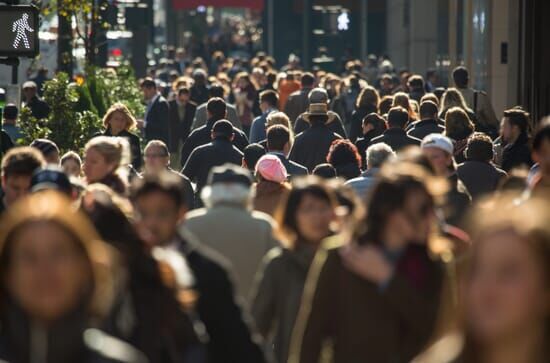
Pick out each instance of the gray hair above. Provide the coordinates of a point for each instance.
(227, 193)
(318, 95)
(377, 154)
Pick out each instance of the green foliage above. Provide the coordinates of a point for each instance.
(31, 128)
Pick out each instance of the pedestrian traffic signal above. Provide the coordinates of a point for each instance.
(19, 31)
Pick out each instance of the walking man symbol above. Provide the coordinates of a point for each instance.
(21, 26)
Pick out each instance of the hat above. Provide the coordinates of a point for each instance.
(318, 95)
(51, 178)
(438, 141)
(29, 84)
(271, 168)
(229, 173)
(316, 109)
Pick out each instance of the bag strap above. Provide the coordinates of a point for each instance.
(475, 101)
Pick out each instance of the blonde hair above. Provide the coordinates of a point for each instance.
(402, 99)
(453, 98)
(120, 107)
(280, 118)
(115, 150)
(368, 96)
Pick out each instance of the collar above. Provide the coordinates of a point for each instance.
(155, 98)
(369, 173)
(395, 131)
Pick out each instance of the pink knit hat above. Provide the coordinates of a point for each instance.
(271, 168)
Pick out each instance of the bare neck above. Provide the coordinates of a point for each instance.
(522, 347)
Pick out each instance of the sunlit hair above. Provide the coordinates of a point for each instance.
(280, 118)
(457, 124)
(453, 98)
(430, 97)
(120, 107)
(53, 207)
(70, 155)
(402, 99)
(368, 97)
(227, 193)
(115, 150)
(342, 152)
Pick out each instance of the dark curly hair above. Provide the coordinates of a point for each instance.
(343, 152)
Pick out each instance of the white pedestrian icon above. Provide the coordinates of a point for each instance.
(21, 26)
(343, 21)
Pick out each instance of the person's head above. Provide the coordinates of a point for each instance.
(428, 110)
(270, 168)
(71, 164)
(156, 156)
(318, 95)
(375, 123)
(514, 124)
(453, 98)
(199, 77)
(307, 214)
(184, 94)
(368, 98)
(324, 171)
(160, 205)
(280, 118)
(49, 150)
(216, 108)
(541, 146)
(9, 114)
(342, 152)
(29, 90)
(251, 154)
(430, 97)
(457, 124)
(18, 166)
(416, 83)
(461, 77)
(400, 207)
(378, 154)
(269, 100)
(223, 130)
(148, 88)
(278, 139)
(228, 184)
(317, 114)
(398, 117)
(507, 282)
(385, 104)
(307, 80)
(386, 82)
(431, 76)
(479, 148)
(439, 151)
(103, 156)
(216, 90)
(52, 262)
(119, 118)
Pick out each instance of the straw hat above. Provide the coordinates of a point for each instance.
(316, 109)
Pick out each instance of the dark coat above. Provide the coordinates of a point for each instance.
(292, 168)
(421, 129)
(6, 143)
(205, 157)
(158, 121)
(231, 340)
(356, 123)
(39, 108)
(517, 154)
(334, 123)
(135, 146)
(203, 135)
(187, 188)
(367, 322)
(458, 200)
(297, 103)
(362, 144)
(479, 177)
(396, 138)
(311, 146)
(180, 128)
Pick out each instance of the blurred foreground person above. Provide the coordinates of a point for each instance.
(58, 282)
(375, 298)
(160, 206)
(271, 187)
(506, 289)
(230, 227)
(305, 222)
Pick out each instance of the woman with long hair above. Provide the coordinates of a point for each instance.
(119, 122)
(305, 221)
(402, 99)
(376, 298)
(503, 314)
(58, 284)
(367, 102)
(459, 128)
(106, 162)
(453, 98)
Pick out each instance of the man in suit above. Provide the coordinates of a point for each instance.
(156, 122)
(269, 100)
(278, 144)
(395, 136)
(182, 112)
(428, 123)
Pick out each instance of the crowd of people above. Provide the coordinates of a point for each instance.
(256, 214)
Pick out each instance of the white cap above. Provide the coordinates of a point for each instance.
(438, 141)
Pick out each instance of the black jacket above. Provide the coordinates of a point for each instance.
(39, 108)
(5, 143)
(157, 125)
(421, 129)
(292, 168)
(363, 143)
(356, 123)
(516, 154)
(187, 188)
(230, 337)
(334, 123)
(396, 138)
(458, 201)
(297, 103)
(135, 146)
(311, 146)
(204, 158)
(479, 177)
(203, 135)
(180, 128)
